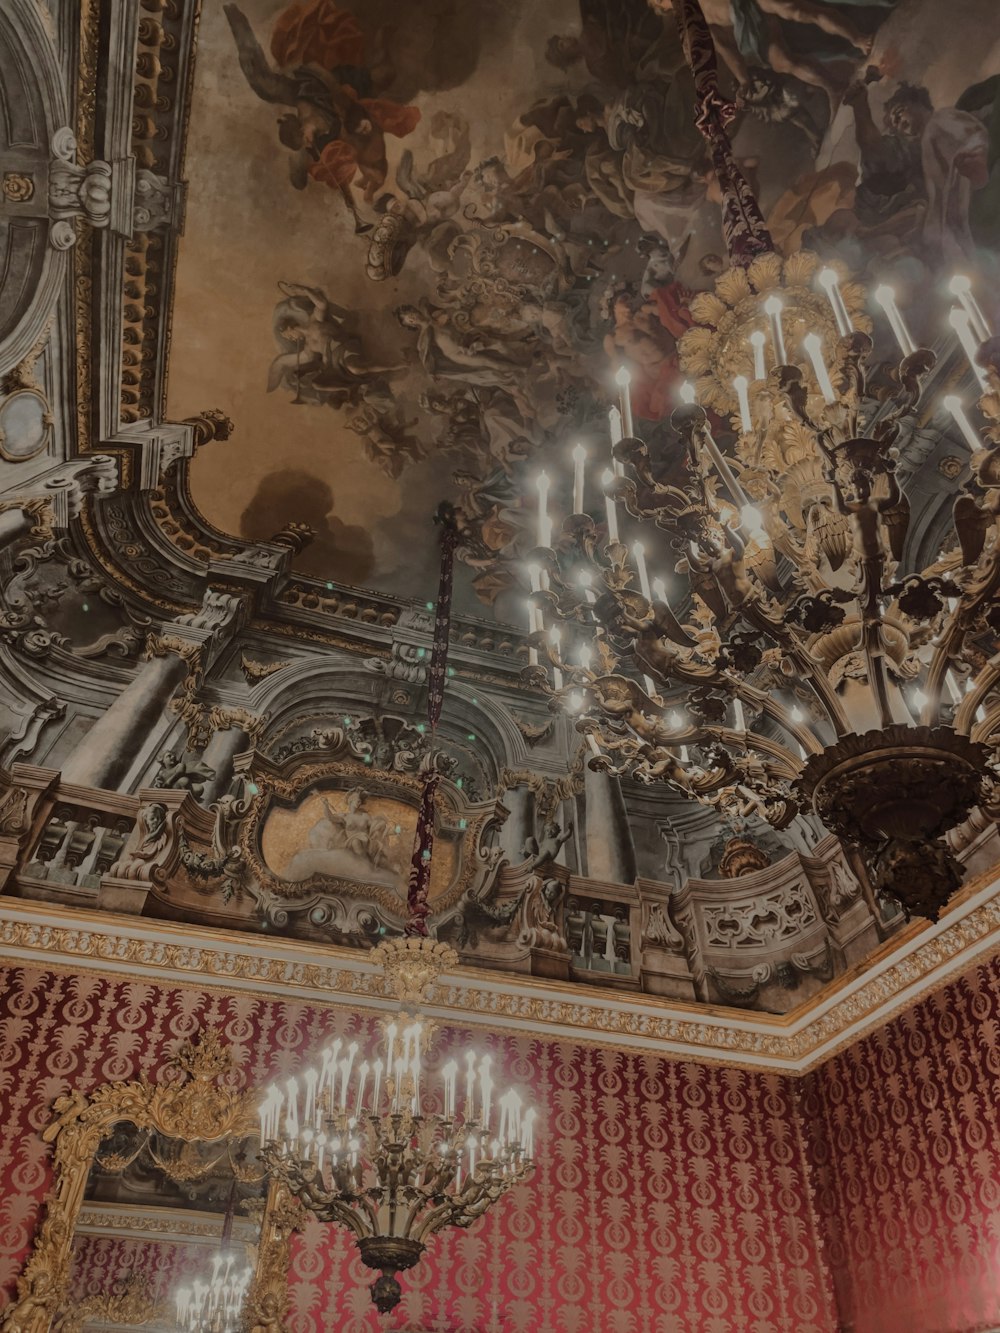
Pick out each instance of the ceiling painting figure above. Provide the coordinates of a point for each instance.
(527, 206)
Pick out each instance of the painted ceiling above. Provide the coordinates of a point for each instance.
(420, 240)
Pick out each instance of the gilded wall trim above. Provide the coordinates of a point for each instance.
(922, 959)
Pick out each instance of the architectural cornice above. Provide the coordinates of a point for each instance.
(917, 961)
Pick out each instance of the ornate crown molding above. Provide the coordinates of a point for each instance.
(921, 959)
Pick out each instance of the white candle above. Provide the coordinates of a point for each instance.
(592, 742)
(960, 322)
(544, 527)
(532, 652)
(639, 551)
(579, 458)
(687, 393)
(555, 638)
(741, 386)
(612, 510)
(528, 1131)
(814, 347)
(585, 582)
(486, 1089)
(886, 298)
(831, 284)
(650, 686)
(583, 656)
(962, 288)
(362, 1084)
(954, 406)
(615, 425)
(376, 1086)
(623, 379)
(659, 590)
(449, 1073)
(773, 308)
(470, 1084)
(741, 722)
(757, 341)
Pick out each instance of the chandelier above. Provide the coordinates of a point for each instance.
(766, 646)
(375, 1140)
(372, 1141)
(216, 1305)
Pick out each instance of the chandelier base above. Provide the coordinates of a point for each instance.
(894, 793)
(388, 1255)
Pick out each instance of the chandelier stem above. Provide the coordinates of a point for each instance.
(417, 898)
(745, 231)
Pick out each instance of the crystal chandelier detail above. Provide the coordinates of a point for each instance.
(216, 1305)
(799, 661)
(375, 1142)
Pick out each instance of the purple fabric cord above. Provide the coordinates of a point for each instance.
(743, 226)
(423, 845)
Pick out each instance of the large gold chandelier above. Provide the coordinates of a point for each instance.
(370, 1141)
(797, 662)
(215, 1304)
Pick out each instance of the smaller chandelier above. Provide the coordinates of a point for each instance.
(358, 1142)
(215, 1306)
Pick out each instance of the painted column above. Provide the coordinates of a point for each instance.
(610, 850)
(520, 823)
(234, 735)
(107, 752)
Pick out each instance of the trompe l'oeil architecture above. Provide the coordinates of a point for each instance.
(580, 910)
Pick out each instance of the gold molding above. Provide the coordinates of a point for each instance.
(921, 959)
(189, 1105)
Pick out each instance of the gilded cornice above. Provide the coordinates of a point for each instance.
(921, 959)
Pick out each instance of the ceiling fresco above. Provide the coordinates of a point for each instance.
(419, 243)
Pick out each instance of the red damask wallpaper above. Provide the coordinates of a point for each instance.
(904, 1134)
(99, 1262)
(670, 1197)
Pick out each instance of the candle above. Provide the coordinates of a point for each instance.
(813, 345)
(615, 424)
(595, 749)
(886, 298)
(470, 1084)
(960, 322)
(532, 652)
(579, 458)
(583, 656)
(741, 722)
(954, 406)
(362, 1084)
(555, 638)
(639, 551)
(612, 511)
(659, 590)
(831, 284)
(962, 288)
(650, 686)
(544, 527)
(623, 379)
(687, 393)
(773, 308)
(449, 1073)
(486, 1089)
(741, 386)
(585, 582)
(376, 1086)
(757, 341)
(528, 1131)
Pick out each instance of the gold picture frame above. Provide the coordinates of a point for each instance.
(190, 1105)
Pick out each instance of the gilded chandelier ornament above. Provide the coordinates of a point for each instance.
(800, 662)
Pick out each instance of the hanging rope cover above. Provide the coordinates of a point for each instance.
(423, 845)
(743, 224)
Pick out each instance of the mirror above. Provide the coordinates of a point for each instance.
(162, 1216)
(157, 1189)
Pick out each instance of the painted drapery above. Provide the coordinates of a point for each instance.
(669, 1197)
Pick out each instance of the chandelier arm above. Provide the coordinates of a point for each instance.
(777, 712)
(985, 681)
(990, 724)
(808, 667)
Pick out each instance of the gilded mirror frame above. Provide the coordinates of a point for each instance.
(191, 1106)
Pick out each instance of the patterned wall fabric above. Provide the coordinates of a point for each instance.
(904, 1134)
(671, 1198)
(99, 1262)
